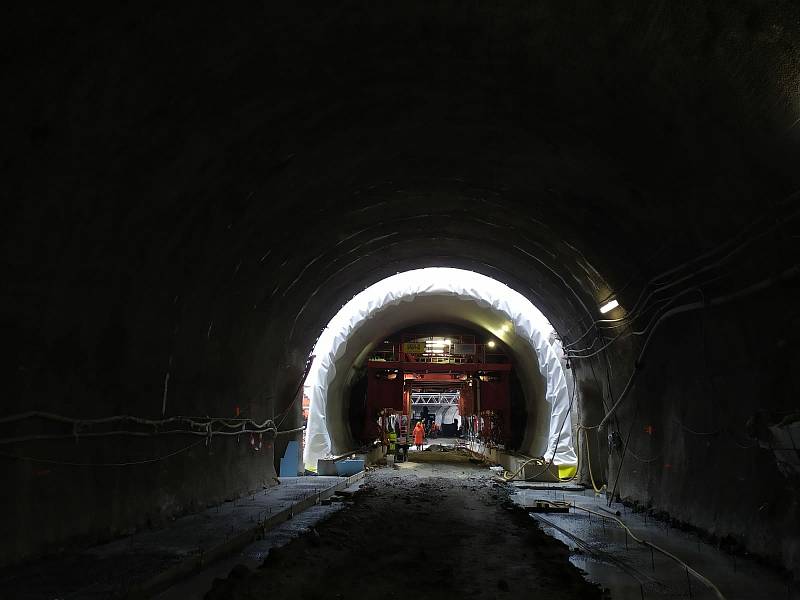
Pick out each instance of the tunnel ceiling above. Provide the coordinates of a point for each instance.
(185, 180)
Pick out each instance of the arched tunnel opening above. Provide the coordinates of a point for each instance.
(191, 198)
(379, 337)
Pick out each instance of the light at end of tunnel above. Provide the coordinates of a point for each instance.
(491, 344)
(609, 306)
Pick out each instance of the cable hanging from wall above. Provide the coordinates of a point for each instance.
(137, 426)
(667, 280)
(666, 312)
(204, 427)
(693, 276)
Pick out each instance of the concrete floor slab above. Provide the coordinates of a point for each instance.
(252, 556)
(612, 559)
(153, 560)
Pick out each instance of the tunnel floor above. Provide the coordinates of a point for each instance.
(424, 530)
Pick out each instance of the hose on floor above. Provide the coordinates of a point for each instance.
(704, 580)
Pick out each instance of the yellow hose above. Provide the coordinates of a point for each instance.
(707, 582)
(508, 476)
(589, 458)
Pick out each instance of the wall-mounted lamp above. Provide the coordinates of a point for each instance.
(490, 343)
(609, 306)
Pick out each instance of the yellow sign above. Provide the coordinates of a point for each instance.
(414, 347)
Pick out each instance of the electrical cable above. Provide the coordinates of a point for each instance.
(229, 422)
(540, 460)
(288, 431)
(650, 323)
(597, 490)
(677, 269)
(72, 436)
(624, 451)
(600, 388)
(579, 353)
(692, 431)
(722, 260)
(206, 435)
(655, 323)
(123, 464)
(704, 580)
(717, 301)
(199, 427)
(777, 224)
(668, 301)
(306, 371)
(643, 460)
(631, 318)
(616, 323)
(625, 321)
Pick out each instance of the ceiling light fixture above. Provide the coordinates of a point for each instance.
(609, 306)
(490, 343)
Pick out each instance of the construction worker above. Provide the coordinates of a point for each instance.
(392, 440)
(419, 435)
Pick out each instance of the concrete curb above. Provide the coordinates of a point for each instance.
(196, 562)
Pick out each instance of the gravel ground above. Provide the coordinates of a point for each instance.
(434, 527)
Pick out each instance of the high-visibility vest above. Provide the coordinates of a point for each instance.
(392, 441)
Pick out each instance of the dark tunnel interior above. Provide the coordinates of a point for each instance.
(192, 193)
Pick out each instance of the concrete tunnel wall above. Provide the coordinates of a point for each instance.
(195, 194)
(422, 309)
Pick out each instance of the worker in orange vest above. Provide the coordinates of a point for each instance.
(419, 435)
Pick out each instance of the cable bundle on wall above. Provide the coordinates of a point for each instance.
(664, 306)
(204, 427)
(689, 278)
(686, 273)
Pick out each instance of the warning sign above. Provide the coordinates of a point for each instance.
(414, 348)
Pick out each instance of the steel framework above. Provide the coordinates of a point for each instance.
(435, 398)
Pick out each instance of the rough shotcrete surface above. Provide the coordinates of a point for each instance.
(190, 196)
(423, 530)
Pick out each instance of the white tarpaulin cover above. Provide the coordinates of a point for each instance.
(528, 323)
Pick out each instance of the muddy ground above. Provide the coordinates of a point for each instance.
(420, 530)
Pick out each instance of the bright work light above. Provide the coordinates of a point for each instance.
(608, 306)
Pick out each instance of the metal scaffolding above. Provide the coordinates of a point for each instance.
(435, 398)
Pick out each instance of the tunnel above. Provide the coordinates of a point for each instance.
(418, 297)
(192, 194)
